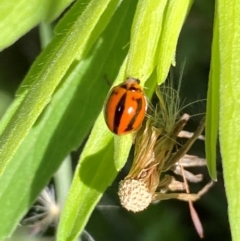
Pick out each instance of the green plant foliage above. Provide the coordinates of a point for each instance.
(174, 17)
(145, 34)
(95, 172)
(59, 130)
(59, 103)
(212, 117)
(22, 15)
(47, 72)
(229, 115)
(223, 107)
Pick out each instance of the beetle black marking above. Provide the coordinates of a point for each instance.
(118, 113)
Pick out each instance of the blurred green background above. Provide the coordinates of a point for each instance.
(167, 220)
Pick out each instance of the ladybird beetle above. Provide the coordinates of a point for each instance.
(125, 107)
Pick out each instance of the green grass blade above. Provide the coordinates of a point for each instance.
(96, 170)
(229, 59)
(18, 17)
(174, 17)
(48, 70)
(122, 148)
(212, 116)
(145, 34)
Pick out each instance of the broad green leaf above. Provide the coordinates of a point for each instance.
(174, 17)
(103, 154)
(48, 70)
(96, 171)
(229, 116)
(122, 146)
(18, 17)
(146, 29)
(212, 116)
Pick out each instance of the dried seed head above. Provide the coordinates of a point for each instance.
(134, 195)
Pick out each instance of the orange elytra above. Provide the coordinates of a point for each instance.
(125, 107)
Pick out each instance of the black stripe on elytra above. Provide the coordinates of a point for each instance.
(118, 113)
(139, 107)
